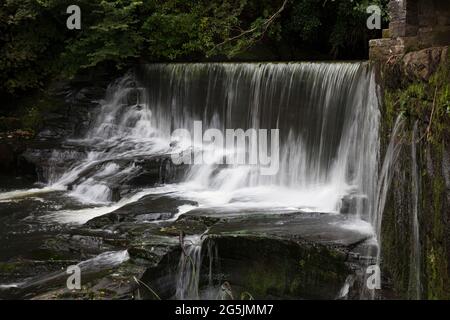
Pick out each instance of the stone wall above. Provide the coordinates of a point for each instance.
(414, 25)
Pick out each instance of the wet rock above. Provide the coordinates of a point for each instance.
(75, 101)
(302, 256)
(422, 64)
(338, 231)
(416, 65)
(150, 249)
(83, 246)
(52, 158)
(133, 97)
(119, 284)
(153, 217)
(163, 206)
(18, 270)
(12, 163)
(160, 254)
(354, 204)
(286, 255)
(153, 170)
(270, 267)
(192, 224)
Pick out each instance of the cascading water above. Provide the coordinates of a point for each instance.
(189, 268)
(327, 116)
(386, 174)
(384, 181)
(328, 120)
(414, 273)
(121, 133)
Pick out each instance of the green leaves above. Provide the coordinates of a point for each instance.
(36, 46)
(27, 43)
(110, 33)
(340, 23)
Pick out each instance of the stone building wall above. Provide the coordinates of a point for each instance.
(414, 25)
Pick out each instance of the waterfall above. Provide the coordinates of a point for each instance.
(326, 120)
(386, 174)
(121, 133)
(414, 273)
(189, 268)
(190, 265)
(327, 115)
(382, 187)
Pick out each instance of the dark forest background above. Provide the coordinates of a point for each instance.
(36, 47)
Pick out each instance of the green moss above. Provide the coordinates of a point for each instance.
(436, 266)
(428, 103)
(423, 101)
(316, 266)
(6, 267)
(32, 119)
(32, 110)
(436, 269)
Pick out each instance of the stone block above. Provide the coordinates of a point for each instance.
(422, 64)
(382, 49)
(397, 28)
(437, 36)
(396, 10)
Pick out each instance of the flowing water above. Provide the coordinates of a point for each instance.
(414, 273)
(188, 282)
(386, 174)
(384, 182)
(103, 261)
(327, 115)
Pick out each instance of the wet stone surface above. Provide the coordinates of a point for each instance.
(290, 246)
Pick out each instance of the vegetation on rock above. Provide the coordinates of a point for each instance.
(426, 101)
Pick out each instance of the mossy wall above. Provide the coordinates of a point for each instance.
(426, 101)
(271, 268)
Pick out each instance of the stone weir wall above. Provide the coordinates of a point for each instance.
(414, 25)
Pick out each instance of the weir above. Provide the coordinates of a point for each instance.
(327, 115)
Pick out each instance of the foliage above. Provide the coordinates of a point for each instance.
(339, 23)
(426, 101)
(29, 41)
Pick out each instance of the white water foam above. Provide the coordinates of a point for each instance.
(327, 115)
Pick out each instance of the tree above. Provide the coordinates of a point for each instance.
(36, 46)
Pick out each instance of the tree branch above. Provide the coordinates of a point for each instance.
(265, 26)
